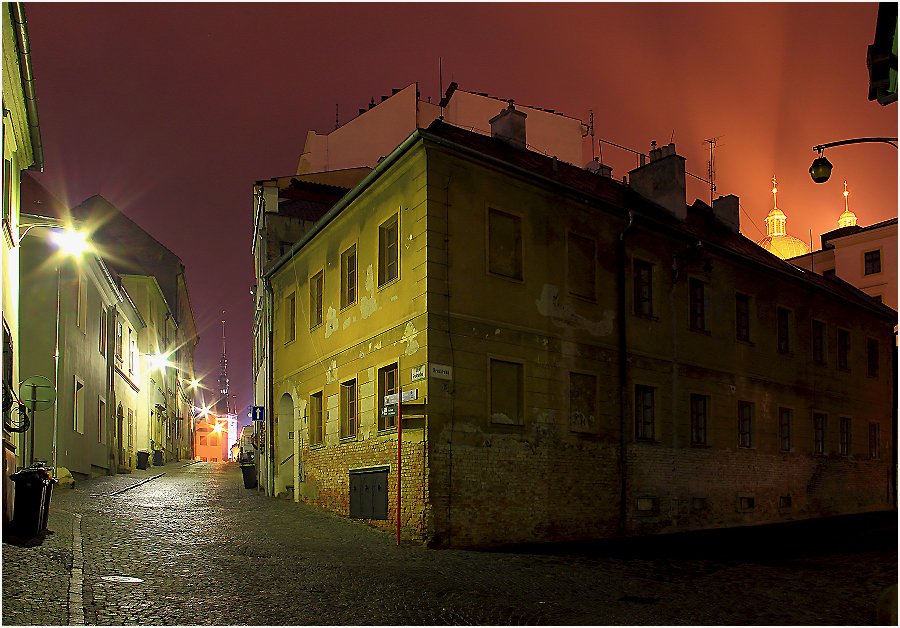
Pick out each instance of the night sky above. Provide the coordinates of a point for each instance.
(173, 111)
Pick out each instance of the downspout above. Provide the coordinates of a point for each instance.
(623, 374)
(17, 12)
(270, 443)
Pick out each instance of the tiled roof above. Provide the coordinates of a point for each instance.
(305, 200)
(699, 225)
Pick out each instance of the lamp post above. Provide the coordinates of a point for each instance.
(820, 170)
(70, 243)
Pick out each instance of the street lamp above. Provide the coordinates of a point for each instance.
(820, 170)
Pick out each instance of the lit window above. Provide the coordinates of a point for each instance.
(388, 251)
(582, 266)
(504, 244)
(644, 412)
(697, 298)
(348, 277)
(643, 288)
(742, 317)
(316, 290)
(699, 419)
(872, 260)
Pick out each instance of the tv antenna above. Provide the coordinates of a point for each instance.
(711, 167)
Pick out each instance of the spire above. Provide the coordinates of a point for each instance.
(776, 218)
(222, 402)
(848, 218)
(775, 191)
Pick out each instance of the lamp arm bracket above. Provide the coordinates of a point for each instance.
(860, 140)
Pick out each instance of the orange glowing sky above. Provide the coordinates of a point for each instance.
(173, 111)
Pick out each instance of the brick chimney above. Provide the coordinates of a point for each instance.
(727, 210)
(662, 180)
(509, 126)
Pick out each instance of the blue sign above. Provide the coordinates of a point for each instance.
(258, 413)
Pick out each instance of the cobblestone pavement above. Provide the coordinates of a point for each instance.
(210, 552)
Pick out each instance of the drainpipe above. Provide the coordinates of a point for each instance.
(269, 424)
(20, 30)
(623, 374)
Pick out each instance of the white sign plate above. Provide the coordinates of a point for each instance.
(440, 371)
(419, 372)
(408, 395)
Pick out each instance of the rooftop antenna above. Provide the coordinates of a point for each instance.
(591, 132)
(711, 169)
(441, 82)
(336, 124)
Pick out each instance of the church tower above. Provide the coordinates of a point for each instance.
(848, 218)
(777, 240)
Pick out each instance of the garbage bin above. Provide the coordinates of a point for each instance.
(32, 504)
(157, 458)
(249, 472)
(143, 459)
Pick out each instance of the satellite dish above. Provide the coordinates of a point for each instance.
(37, 393)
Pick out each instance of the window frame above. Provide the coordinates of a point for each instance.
(844, 349)
(640, 420)
(521, 377)
(290, 317)
(593, 268)
(819, 342)
(349, 276)
(317, 299)
(639, 302)
(879, 259)
(742, 297)
(78, 395)
(317, 418)
(874, 440)
(700, 411)
(697, 317)
(784, 328)
(820, 432)
(386, 424)
(873, 358)
(785, 440)
(349, 409)
(519, 253)
(750, 424)
(384, 250)
(101, 420)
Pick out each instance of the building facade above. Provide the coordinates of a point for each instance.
(575, 357)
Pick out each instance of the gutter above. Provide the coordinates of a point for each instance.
(623, 375)
(20, 28)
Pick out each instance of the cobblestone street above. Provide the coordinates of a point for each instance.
(209, 552)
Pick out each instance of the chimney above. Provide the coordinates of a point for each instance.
(597, 168)
(727, 210)
(509, 126)
(270, 196)
(662, 180)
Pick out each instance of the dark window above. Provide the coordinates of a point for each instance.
(348, 409)
(316, 420)
(387, 385)
(874, 441)
(745, 424)
(290, 317)
(643, 288)
(818, 342)
(316, 290)
(388, 251)
(582, 266)
(504, 244)
(747, 503)
(506, 392)
(118, 340)
(697, 304)
(819, 432)
(699, 420)
(845, 435)
(872, 357)
(785, 501)
(582, 402)
(784, 330)
(644, 412)
(785, 429)
(843, 349)
(646, 505)
(102, 331)
(742, 317)
(872, 262)
(348, 277)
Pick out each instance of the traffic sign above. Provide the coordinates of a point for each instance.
(258, 413)
(37, 393)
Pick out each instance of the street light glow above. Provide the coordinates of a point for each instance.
(72, 242)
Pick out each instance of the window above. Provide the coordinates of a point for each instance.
(388, 251)
(872, 262)
(316, 423)
(213, 440)
(643, 288)
(290, 317)
(874, 438)
(81, 304)
(131, 351)
(843, 349)
(697, 298)
(203, 440)
(316, 290)
(348, 409)
(102, 331)
(872, 357)
(699, 420)
(507, 384)
(746, 503)
(646, 505)
(101, 420)
(504, 244)
(742, 317)
(348, 277)
(582, 403)
(846, 423)
(785, 501)
(582, 267)
(785, 429)
(699, 503)
(130, 428)
(818, 342)
(783, 317)
(387, 385)
(78, 407)
(818, 433)
(644, 412)
(119, 340)
(745, 424)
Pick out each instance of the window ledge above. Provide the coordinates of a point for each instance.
(648, 317)
(389, 283)
(506, 277)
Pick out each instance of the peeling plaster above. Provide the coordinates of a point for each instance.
(331, 375)
(409, 337)
(348, 321)
(394, 298)
(371, 373)
(367, 304)
(331, 322)
(565, 316)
